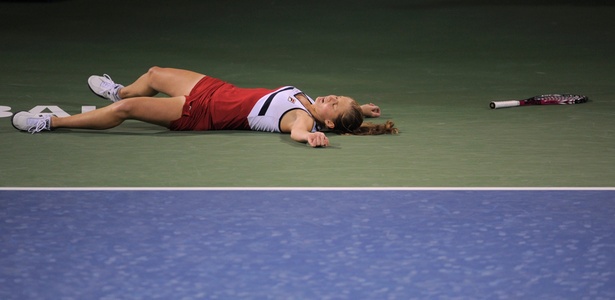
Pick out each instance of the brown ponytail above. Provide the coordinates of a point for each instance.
(369, 128)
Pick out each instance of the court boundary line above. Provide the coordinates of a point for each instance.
(307, 188)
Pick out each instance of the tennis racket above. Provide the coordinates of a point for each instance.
(541, 100)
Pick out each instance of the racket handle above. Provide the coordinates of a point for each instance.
(503, 104)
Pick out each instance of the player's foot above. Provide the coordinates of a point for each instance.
(32, 123)
(104, 87)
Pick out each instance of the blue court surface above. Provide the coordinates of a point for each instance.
(307, 244)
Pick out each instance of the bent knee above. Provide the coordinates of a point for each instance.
(158, 76)
(155, 71)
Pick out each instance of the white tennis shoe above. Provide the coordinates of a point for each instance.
(30, 122)
(104, 87)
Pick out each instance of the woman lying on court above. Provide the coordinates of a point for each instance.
(199, 102)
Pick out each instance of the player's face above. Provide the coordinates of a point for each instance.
(331, 107)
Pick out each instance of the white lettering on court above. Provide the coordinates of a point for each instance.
(5, 111)
(56, 110)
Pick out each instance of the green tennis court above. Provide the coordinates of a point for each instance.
(432, 66)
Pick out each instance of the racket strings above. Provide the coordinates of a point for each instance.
(562, 98)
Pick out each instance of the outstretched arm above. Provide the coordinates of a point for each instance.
(370, 110)
(300, 132)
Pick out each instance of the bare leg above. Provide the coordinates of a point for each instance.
(138, 102)
(160, 111)
(173, 82)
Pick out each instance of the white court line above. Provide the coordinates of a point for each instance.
(307, 188)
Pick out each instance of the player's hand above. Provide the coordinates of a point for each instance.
(370, 110)
(318, 139)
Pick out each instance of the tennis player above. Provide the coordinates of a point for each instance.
(200, 102)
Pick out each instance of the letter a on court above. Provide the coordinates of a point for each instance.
(52, 108)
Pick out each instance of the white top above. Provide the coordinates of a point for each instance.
(267, 114)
